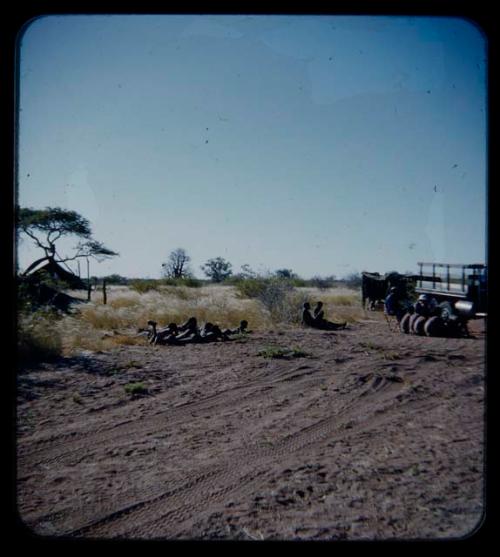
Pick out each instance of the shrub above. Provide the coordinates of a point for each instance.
(190, 282)
(38, 339)
(322, 282)
(282, 353)
(136, 389)
(277, 298)
(251, 287)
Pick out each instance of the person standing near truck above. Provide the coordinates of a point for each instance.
(395, 304)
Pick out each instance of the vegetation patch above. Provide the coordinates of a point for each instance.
(77, 399)
(277, 352)
(136, 389)
(38, 339)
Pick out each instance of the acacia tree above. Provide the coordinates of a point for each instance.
(176, 265)
(46, 226)
(217, 269)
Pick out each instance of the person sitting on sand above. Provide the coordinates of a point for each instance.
(307, 318)
(319, 322)
(319, 318)
(319, 314)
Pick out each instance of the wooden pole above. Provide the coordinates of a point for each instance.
(104, 295)
(89, 285)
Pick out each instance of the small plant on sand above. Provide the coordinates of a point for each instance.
(283, 353)
(77, 399)
(136, 389)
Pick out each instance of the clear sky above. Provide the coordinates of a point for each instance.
(322, 144)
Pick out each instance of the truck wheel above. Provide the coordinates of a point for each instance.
(445, 310)
(433, 326)
(413, 318)
(419, 324)
(404, 325)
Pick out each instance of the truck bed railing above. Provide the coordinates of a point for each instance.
(448, 280)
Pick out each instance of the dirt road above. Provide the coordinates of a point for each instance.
(358, 434)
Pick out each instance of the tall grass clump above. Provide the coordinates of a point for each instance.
(277, 295)
(38, 337)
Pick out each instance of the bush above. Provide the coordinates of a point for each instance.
(277, 295)
(322, 282)
(136, 389)
(190, 282)
(38, 339)
(251, 287)
(277, 298)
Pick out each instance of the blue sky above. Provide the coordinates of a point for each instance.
(323, 144)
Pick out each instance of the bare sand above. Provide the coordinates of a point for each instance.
(361, 434)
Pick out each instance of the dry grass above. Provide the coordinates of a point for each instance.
(95, 326)
(37, 340)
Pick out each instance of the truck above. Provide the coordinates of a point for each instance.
(452, 294)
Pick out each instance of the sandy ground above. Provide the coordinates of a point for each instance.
(365, 434)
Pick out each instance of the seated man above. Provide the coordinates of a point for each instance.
(319, 322)
(307, 318)
(322, 323)
(318, 311)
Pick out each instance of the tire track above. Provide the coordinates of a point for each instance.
(168, 509)
(71, 444)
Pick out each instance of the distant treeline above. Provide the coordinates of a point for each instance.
(245, 281)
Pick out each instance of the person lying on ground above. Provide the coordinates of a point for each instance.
(208, 333)
(190, 325)
(211, 332)
(242, 329)
(163, 334)
(188, 331)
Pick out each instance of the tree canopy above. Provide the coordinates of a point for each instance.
(217, 269)
(46, 226)
(176, 265)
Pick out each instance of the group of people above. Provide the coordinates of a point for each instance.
(317, 318)
(398, 305)
(190, 332)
